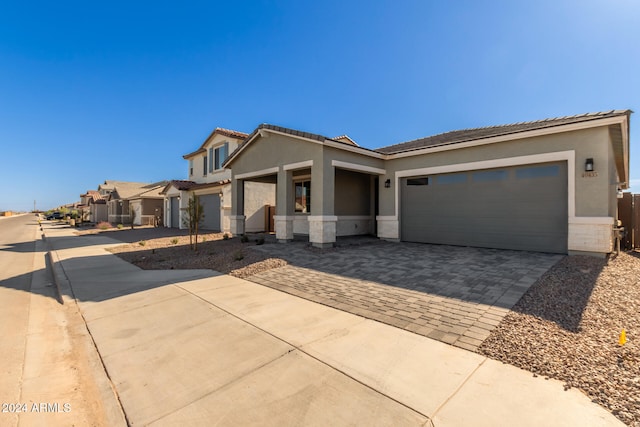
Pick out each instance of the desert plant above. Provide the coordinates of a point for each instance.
(204, 239)
(195, 214)
(238, 256)
(225, 236)
(142, 242)
(174, 241)
(104, 225)
(244, 238)
(260, 241)
(120, 226)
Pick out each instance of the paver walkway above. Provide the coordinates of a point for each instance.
(452, 294)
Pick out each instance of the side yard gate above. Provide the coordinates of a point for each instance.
(629, 215)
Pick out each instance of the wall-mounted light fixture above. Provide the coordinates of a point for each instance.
(588, 165)
(387, 183)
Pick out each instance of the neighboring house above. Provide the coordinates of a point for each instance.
(94, 206)
(142, 199)
(212, 184)
(548, 185)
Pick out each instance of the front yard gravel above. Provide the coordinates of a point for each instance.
(567, 326)
(230, 256)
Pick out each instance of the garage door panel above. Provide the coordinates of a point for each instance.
(211, 206)
(509, 208)
(175, 212)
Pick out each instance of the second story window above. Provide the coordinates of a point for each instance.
(221, 154)
(190, 167)
(204, 166)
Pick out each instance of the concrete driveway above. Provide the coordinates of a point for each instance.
(456, 295)
(197, 348)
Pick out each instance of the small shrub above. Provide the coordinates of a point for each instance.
(142, 242)
(153, 251)
(174, 241)
(104, 225)
(238, 256)
(225, 236)
(120, 226)
(204, 239)
(260, 241)
(244, 238)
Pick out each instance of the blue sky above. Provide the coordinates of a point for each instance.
(121, 90)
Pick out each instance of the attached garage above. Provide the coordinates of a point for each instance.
(211, 206)
(521, 207)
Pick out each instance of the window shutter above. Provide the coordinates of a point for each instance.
(211, 159)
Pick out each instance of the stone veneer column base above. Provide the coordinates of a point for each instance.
(388, 228)
(284, 227)
(322, 230)
(590, 235)
(237, 224)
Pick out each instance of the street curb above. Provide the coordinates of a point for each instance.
(60, 279)
(110, 401)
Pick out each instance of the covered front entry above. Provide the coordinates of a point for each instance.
(522, 207)
(211, 207)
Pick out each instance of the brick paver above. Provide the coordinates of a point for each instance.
(452, 294)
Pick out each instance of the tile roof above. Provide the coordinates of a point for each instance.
(191, 185)
(230, 133)
(132, 190)
(345, 138)
(94, 195)
(180, 185)
(464, 135)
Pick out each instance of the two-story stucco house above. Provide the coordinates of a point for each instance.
(549, 185)
(211, 182)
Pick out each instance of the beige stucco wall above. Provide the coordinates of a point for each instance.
(257, 195)
(352, 193)
(217, 175)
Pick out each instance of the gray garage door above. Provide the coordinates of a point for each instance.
(175, 212)
(522, 208)
(211, 205)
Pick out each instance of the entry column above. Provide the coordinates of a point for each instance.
(283, 220)
(322, 221)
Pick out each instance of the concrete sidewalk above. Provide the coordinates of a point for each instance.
(197, 348)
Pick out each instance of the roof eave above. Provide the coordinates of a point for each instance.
(193, 154)
(606, 121)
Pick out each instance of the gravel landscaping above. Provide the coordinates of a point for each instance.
(567, 327)
(230, 256)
